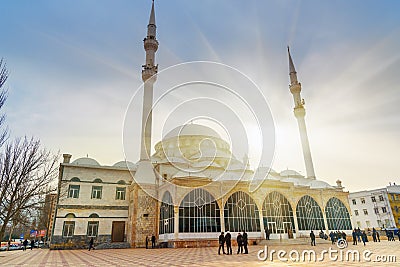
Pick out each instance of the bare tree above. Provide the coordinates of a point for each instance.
(3, 97)
(26, 173)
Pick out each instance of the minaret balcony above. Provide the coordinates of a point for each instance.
(150, 44)
(148, 73)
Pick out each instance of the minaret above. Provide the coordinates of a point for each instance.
(149, 77)
(300, 113)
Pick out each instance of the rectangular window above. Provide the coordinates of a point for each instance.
(356, 212)
(384, 209)
(387, 223)
(379, 223)
(362, 200)
(368, 223)
(96, 191)
(376, 210)
(68, 229)
(93, 228)
(73, 191)
(392, 197)
(120, 193)
(396, 197)
(380, 198)
(365, 211)
(358, 224)
(396, 209)
(373, 199)
(398, 220)
(354, 202)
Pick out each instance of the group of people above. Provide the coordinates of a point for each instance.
(359, 236)
(336, 235)
(153, 241)
(390, 235)
(26, 242)
(241, 239)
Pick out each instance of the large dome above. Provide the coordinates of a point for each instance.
(192, 129)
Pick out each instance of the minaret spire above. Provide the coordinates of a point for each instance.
(300, 113)
(149, 76)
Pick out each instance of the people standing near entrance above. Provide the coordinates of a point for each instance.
(147, 241)
(354, 235)
(245, 243)
(312, 235)
(221, 241)
(32, 244)
(228, 243)
(267, 233)
(239, 241)
(153, 241)
(91, 242)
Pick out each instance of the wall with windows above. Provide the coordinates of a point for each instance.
(370, 209)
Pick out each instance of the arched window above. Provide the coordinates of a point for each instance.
(166, 215)
(199, 213)
(70, 215)
(309, 214)
(75, 179)
(337, 215)
(277, 213)
(94, 215)
(241, 213)
(97, 180)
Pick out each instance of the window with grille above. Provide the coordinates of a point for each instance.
(309, 214)
(166, 224)
(337, 215)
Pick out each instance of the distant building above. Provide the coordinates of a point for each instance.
(371, 208)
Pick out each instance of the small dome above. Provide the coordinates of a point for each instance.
(192, 129)
(319, 184)
(125, 164)
(85, 161)
(290, 173)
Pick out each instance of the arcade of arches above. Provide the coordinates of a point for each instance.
(199, 212)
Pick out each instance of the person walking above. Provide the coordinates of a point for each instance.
(147, 241)
(239, 240)
(364, 237)
(312, 236)
(358, 234)
(153, 241)
(245, 242)
(221, 241)
(25, 243)
(32, 244)
(374, 234)
(354, 235)
(91, 242)
(228, 243)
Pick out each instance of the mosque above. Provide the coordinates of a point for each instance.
(186, 197)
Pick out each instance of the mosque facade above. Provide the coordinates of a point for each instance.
(198, 189)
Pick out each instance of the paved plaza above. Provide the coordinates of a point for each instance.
(191, 256)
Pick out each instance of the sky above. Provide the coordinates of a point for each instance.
(75, 65)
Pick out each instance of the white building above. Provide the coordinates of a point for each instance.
(371, 208)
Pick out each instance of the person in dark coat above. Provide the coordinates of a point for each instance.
(364, 237)
(332, 236)
(228, 243)
(32, 244)
(153, 241)
(239, 240)
(91, 242)
(267, 233)
(245, 243)
(374, 235)
(354, 235)
(312, 236)
(25, 243)
(147, 241)
(221, 241)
